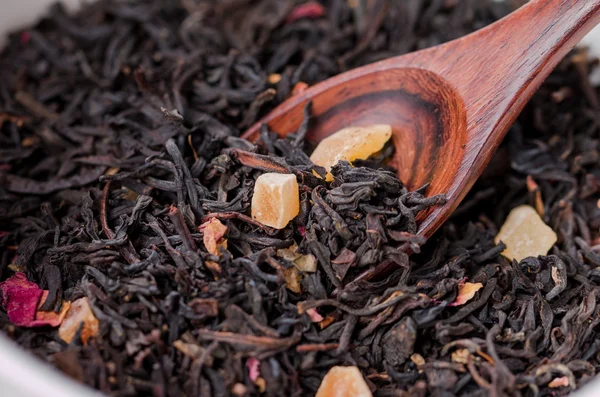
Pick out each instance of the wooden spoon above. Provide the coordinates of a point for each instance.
(451, 105)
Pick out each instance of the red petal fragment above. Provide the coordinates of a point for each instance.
(466, 292)
(314, 316)
(20, 299)
(213, 231)
(253, 366)
(311, 9)
(559, 382)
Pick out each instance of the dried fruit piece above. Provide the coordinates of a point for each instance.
(466, 292)
(343, 382)
(461, 356)
(525, 234)
(559, 382)
(306, 263)
(213, 231)
(276, 199)
(79, 312)
(292, 279)
(274, 78)
(352, 143)
(418, 360)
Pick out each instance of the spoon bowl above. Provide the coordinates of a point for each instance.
(449, 106)
(427, 116)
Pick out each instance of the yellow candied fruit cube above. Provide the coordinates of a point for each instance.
(343, 382)
(525, 234)
(352, 143)
(276, 199)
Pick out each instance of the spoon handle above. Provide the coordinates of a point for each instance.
(497, 69)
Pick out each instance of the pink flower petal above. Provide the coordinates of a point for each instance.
(314, 316)
(311, 9)
(253, 366)
(466, 292)
(559, 382)
(20, 299)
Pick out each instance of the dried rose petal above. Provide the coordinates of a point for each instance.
(314, 316)
(466, 292)
(20, 299)
(80, 312)
(461, 356)
(311, 9)
(253, 366)
(213, 231)
(559, 382)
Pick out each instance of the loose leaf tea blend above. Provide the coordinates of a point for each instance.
(126, 193)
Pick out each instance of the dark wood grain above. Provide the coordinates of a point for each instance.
(450, 106)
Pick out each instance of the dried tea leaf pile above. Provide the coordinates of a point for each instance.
(125, 192)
